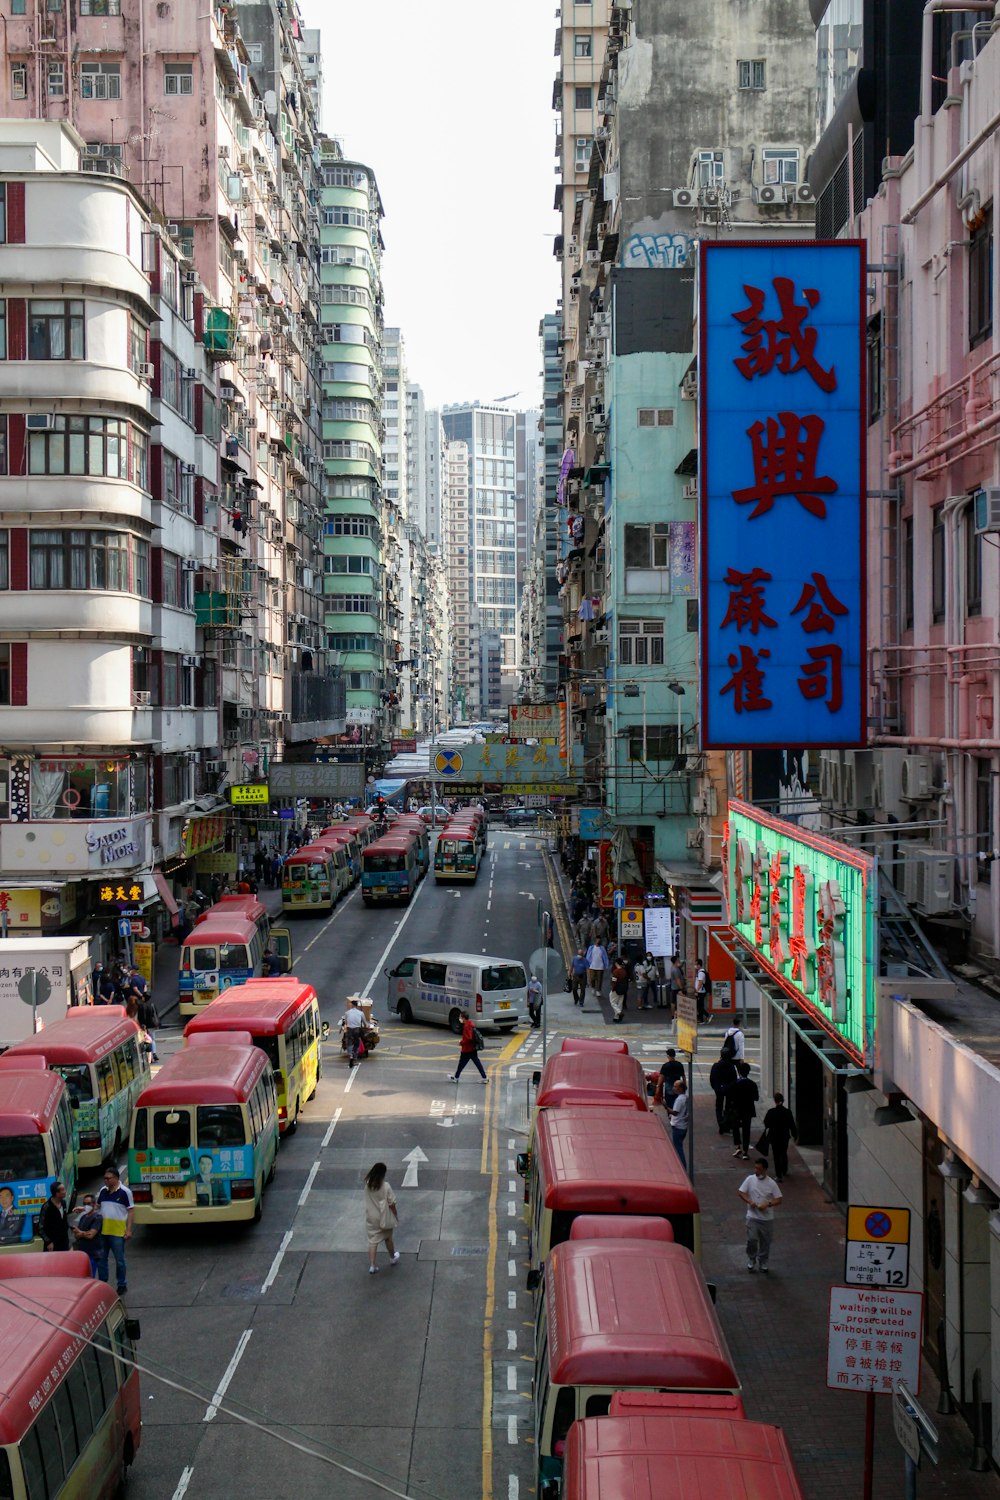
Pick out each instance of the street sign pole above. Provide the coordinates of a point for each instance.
(34, 1000)
(545, 922)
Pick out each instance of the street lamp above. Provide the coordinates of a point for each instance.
(678, 689)
(633, 690)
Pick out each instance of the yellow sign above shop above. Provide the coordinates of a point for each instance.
(257, 793)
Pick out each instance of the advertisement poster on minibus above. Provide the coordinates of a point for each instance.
(19, 1202)
(202, 1174)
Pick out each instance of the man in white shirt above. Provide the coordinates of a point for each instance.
(597, 962)
(679, 1110)
(739, 1043)
(701, 992)
(761, 1195)
(353, 1024)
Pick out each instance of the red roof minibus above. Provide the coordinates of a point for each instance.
(605, 1161)
(205, 1134)
(70, 1420)
(220, 951)
(37, 1148)
(592, 1044)
(282, 1017)
(621, 1227)
(592, 1078)
(390, 868)
(95, 1050)
(633, 1457)
(621, 1315)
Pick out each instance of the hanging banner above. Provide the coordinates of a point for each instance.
(782, 482)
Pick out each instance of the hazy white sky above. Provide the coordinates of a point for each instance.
(449, 101)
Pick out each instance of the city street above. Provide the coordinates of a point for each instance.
(282, 1321)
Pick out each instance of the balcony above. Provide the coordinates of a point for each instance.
(319, 706)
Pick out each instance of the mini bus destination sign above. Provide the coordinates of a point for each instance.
(806, 905)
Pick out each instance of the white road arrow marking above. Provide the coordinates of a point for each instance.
(413, 1160)
(446, 1123)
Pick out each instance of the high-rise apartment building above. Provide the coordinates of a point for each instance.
(464, 616)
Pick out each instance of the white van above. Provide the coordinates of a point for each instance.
(439, 986)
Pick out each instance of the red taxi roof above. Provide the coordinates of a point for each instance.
(34, 1351)
(261, 1006)
(209, 1073)
(221, 929)
(634, 1458)
(307, 852)
(621, 1227)
(615, 1161)
(592, 1044)
(28, 1100)
(633, 1313)
(234, 901)
(593, 1078)
(85, 1033)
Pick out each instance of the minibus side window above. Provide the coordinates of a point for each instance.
(220, 1125)
(105, 1080)
(598, 1406)
(565, 1414)
(140, 1134)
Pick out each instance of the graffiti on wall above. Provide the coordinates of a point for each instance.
(663, 251)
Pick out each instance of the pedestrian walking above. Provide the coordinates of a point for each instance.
(149, 1020)
(779, 1128)
(670, 1071)
(741, 1108)
(722, 1074)
(535, 998)
(381, 1216)
(88, 1233)
(679, 1110)
(702, 990)
(597, 963)
(675, 984)
(734, 1043)
(469, 1048)
(354, 1026)
(647, 979)
(620, 979)
(52, 1219)
(578, 976)
(276, 864)
(116, 1206)
(761, 1195)
(601, 930)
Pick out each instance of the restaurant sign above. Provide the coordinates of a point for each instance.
(807, 906)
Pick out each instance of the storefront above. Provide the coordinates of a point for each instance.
(701, 913)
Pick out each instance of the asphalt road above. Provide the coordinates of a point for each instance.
(418, 1377)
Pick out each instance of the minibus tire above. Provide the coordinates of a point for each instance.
(113, 1153)
(404, 1013)
(258, 1211)
(455, 1022)
(293, 1127)
(274, 1167)
(128, 1458)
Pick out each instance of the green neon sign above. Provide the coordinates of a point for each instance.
(806, 906)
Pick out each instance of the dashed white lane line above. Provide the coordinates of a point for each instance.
(272, 1274)
(512, 1431)
(512, 1185)
(512, 1268)
(512, 1301)
(331, 1127)
(513, 1487)
(512, 1377)
(512, 1236)
(511, 1209)
(230, 1371)
(352, 1074)
(309, 1182)
(185, 1480)
(511, 1339)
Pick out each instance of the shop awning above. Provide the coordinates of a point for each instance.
(161, 888)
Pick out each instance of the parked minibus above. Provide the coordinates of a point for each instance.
(440, 986)
(599, 1078)
(205, 1134)
(70, 1413)
(223, 950)
(95, 1050)
(592, 1044)
(362, 828)
(37, 1148)
(621, 1227)
(249, 907)
(456, 854)
(689, 1452)
(389, 870)
(310, 881)
(347, 855)
(591, 1160)
(282, 1017)
(470, 817)
(413, 823)
(621, 1315)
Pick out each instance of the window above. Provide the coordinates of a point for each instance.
(647, 545)
(751, 74)
(4, 559)
(352, 604)
(640, 643)
(984, 815)
(710, 168)
(18, 7)
(583, 45)
(178, 78)
(100, 80)
(55, 330)
(56, 79)
(88, 560)
(173, 581)
(781, 166)
(19, 80)
(138, 336)
(5, 673)
(583, 98)
(973, 564)
(659, 741)
(906, 568)
(100, 7)
(874, 367)
(255, 51)
(349, 565)
(172, 1128)
(581, 161)
(981, 280)
(937, 568)
(170, 380)
(350, 526)
(655, 416)
(79, 788)
(81, 445)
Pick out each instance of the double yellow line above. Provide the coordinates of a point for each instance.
(490, 1163)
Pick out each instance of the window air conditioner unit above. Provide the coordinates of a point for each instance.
(140, 700)
(224, 153)
(215, 765)
(830, 777)
(173, 230)
(928, 876)
(190, 565)
(145, 371)
(694, 838)
(684, 197)
(765, 194)
(189, 468)
(245, 713)
(37, 421)
(986, 510)
(190, 661)
(804, 193)
(917, 785)
(689, 386)
(707, 805)
(189, 373)
(691, 490)
(593, 256)
(189, 278)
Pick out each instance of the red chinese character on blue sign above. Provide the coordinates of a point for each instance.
(782, 342)
(785, 453)
(746, 600)
(747, 681)
(822, 676)
(818, 618)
